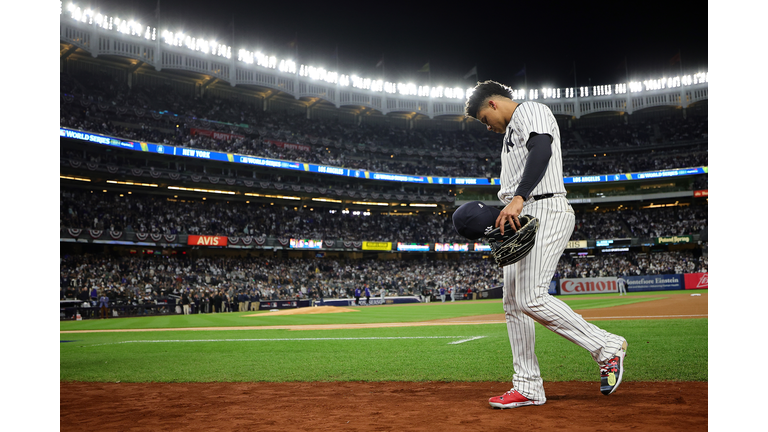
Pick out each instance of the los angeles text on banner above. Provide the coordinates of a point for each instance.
(199, 240)
(382, 246)
(696, 281)
(588, 286)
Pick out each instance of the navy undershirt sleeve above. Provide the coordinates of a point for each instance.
(539, 152)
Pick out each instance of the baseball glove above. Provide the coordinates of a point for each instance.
(513, 245)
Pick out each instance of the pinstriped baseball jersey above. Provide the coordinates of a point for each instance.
(528, 118)
(526, 283)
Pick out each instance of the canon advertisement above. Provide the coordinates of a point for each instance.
(588, 286)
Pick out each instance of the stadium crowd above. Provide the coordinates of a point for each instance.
(136, 280)
(641, 223)
(643, 133)
(152, 280)
(666, 221)
(155, 214)
(693, 156)
(81, 209)
(632, 264)
(101, 104)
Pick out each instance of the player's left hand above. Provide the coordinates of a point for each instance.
(510, 213)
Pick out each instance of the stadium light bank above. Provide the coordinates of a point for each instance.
(134, 28)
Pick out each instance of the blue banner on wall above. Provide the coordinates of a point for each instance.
(654, 283)
(308, 167)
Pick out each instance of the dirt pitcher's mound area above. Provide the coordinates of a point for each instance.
(305, 311)
(377, 406)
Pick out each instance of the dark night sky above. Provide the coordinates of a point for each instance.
(500, 40)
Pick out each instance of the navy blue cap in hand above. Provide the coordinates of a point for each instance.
(473, 218)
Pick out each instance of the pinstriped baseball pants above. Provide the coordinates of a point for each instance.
(526, 299)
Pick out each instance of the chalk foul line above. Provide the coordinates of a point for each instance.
(465, 339)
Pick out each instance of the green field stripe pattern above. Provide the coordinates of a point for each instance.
(659, 350)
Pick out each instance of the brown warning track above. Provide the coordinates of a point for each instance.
(378, 406)
(397, 406)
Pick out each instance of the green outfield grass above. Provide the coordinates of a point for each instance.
(659, 350)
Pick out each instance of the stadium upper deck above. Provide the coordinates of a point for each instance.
(141, 53)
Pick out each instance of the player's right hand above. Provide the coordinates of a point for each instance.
(509, 215)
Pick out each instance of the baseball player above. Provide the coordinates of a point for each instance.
(532, 184)
(622, 284)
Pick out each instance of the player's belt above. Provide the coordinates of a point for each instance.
(543, 196)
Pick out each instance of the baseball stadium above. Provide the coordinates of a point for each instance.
(251, 239)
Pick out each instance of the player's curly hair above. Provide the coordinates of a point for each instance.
(481, 93)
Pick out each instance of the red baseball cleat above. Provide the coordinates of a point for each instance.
(512, 399)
